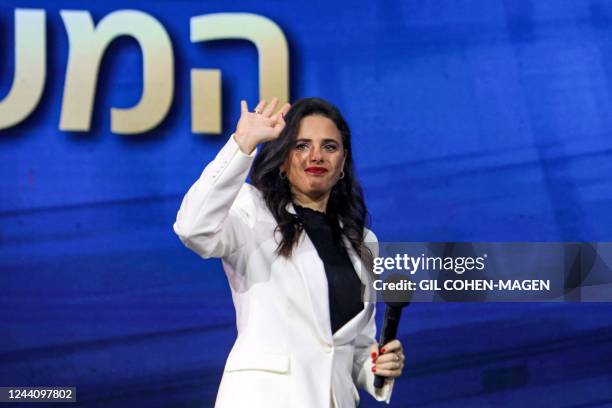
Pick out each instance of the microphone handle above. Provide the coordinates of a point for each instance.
(388, 333)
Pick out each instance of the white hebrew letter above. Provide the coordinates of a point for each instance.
(273, 63)
(87, 47)
(30, 67)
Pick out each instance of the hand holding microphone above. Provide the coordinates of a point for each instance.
(389, 362)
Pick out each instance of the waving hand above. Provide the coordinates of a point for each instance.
(261, 125)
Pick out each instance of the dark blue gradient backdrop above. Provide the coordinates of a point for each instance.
(473, 120)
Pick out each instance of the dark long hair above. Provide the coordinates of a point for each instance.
(346, 201)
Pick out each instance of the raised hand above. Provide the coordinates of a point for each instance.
(259, 126)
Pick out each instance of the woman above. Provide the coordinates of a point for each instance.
(291, 245)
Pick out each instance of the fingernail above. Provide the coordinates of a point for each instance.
(373, 355)
(382, 350)
(373, 369)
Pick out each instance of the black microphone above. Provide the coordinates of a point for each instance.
(389, 331)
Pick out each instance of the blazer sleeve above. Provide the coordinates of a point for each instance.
(362, 373)
(206, 221)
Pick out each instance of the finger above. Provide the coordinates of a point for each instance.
(270, 108)
(391, 357)
(391, 346)
(384, 372)
(275, 120)
(278, 127)
(391, 365)
(388, 357)
(279, 120)
(260, 106)
(284, 110)
(374, 352)
(243, 106)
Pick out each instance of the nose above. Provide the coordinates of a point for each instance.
(316, 154)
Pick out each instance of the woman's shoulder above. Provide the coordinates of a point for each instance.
(370, 240)
(369, 235)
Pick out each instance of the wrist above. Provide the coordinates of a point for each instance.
(244, 143)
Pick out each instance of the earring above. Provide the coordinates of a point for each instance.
(282, 175)
(341, 174)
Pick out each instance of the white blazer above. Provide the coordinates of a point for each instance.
(285, 355)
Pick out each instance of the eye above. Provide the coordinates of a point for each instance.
(301, 146)
(330, 147)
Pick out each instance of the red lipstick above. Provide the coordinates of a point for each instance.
(316, 170)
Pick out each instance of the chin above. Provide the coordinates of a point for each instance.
(317, 191)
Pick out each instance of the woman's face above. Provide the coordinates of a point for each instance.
(314, 164)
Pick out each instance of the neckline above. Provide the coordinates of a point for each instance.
(306, 209)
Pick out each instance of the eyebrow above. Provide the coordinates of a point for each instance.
(327, 140)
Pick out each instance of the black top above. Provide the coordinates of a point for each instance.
(344, 286)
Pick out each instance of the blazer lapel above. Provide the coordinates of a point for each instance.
(357, 324)
(361, 270)
(311, 268)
